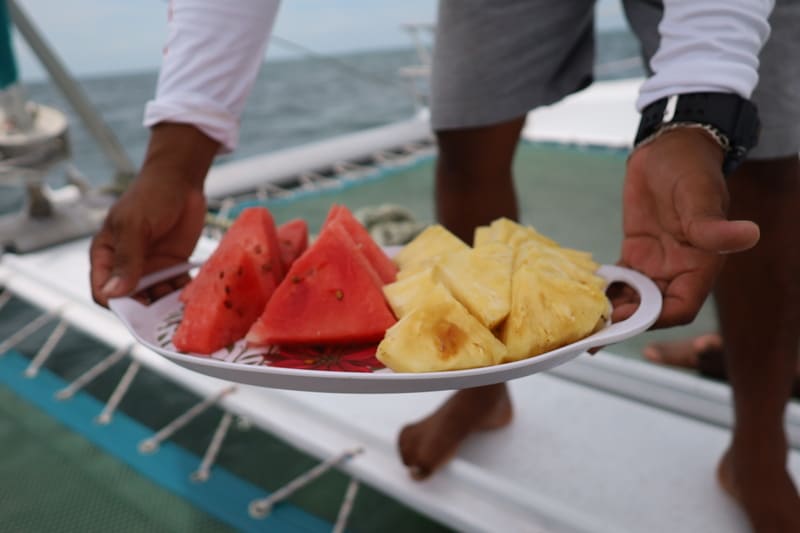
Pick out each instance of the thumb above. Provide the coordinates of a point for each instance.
(128, 261)
(705, 224)
(714, 233)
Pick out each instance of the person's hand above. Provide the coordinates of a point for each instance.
(674, 222)
(157, 221)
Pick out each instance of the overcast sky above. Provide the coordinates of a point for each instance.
(106, 36)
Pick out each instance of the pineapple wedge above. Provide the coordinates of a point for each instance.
(559, 261)
(423, 251)
(548, 311)
(483, 235)
(439, 334)
(480, 278)
(514, 234)
(405, 294)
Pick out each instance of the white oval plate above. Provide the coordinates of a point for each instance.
(153, 326)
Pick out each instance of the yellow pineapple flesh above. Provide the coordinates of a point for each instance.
(422, 252)
(560, 261)
(405, 294)
(439, 334)
(507, 231)
(480, 278)
(483, 235)
(549, 310)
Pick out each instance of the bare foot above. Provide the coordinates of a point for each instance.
(765, 492)
(684, 353)
(430, 443)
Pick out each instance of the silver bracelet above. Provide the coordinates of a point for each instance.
(719, 137)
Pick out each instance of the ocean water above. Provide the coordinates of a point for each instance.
(294, 101)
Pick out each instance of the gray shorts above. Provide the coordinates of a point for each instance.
(495, 60)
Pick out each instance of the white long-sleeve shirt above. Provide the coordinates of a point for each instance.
(215, 48)
(213, 52)
(707, 46)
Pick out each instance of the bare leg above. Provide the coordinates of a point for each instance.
(757, 298)
(474, 186)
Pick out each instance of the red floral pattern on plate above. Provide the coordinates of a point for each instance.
(339, 358)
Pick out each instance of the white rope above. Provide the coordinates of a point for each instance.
(87, 377)
(203, 472)
(347, 506)
(262, 508)
(27, 331)
(151, 444)
(47, 349)
(105, 415)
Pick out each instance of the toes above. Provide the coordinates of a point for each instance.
(415, 452)
(682, 353)
(709, 341)
(407, 445)
(652, 354)
(419, 473)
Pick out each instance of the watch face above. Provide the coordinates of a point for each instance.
(669, 109)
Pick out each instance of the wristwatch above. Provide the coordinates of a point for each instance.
(729, 118)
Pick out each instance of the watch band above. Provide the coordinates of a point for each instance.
(733, 118)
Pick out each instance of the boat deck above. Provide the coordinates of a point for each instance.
(605, 443)
(576, 458)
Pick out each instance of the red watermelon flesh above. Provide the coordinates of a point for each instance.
(253, 230)
(222, 310)
(331, 295)
(384, 266)
(293, 240)
(332, 212)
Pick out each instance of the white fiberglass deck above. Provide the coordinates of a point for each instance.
(576, 458)
(603, 114)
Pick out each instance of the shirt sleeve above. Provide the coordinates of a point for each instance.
(707, 46)
(211, 58)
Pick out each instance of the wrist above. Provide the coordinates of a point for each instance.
(678, 153)
(178, 154)
(689, 135)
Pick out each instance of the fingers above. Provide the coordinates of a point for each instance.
(128, 260)
(117, 255)
(159, 290)
(683, 298)
(624, 301)
(101, 254)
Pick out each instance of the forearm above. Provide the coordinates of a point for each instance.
(708, 46)
(211, 59)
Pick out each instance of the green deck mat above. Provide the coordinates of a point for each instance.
(52, 479)
(56, 480)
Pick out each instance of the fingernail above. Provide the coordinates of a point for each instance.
(112, 286)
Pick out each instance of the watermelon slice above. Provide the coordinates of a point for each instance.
(222, 309)
(253, 230)
(331, 295)
(332, 212)
(384, 266)
(293, 240)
